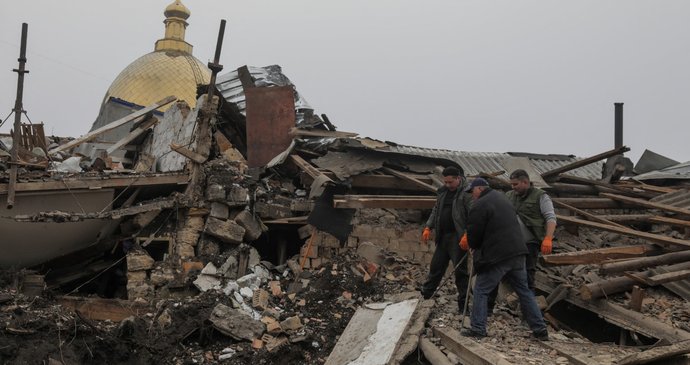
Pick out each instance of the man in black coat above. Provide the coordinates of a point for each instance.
(498, 251)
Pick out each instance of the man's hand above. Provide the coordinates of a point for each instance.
(426, 235)
(546, 245)
(464, 245)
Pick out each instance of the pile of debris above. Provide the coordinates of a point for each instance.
(185, 236)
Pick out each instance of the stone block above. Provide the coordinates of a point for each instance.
(143, 219)
(187, 236)
(301, 205)
(207, 247)
(237, 196)
(371, 252)
(272, 211)
(139, 260)
(312, 253)
(362, 230)
(215, 193)
(185, 251)
(305, 231)
(226, 231)
(219, 210)
(252, 226)
(411, 234)
(136, 276)
(162, 277)
(139, 290)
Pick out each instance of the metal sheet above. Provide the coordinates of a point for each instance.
(650, 161)
(270, 115)
(677, 172)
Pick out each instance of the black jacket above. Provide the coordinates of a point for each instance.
(461, 207)
(493, 230)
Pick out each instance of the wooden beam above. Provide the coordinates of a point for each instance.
(670, 221)
(308, 168)
(584, 162)
(469, 352)
(145, 125)
(432, 353)
(594, 203)
(621, 283)
(98, 183)
(89, 136)
(659, 279)
(320, 133)
(186, 152)
(599, 255)
(384, 201)
(618, 315)
(639, 263)
(589, 216)
(607, 187)
(647, 204)
(410, 179)
(627, 218)
(657, 238)
(100, 309)
(657, 353)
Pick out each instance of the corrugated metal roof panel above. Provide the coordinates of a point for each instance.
(680, 172)
(488, 162)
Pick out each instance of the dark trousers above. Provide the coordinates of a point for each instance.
(534, 247)
(513, 270)
(447, 250)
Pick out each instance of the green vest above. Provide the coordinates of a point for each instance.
(529, 211)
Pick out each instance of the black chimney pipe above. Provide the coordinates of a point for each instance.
(618, 131)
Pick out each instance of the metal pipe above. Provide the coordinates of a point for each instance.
(18, 108)
(215, 66)
(618, 128)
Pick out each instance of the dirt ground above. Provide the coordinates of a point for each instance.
(38, 331)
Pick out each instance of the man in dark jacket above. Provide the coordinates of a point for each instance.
(447, 220)
(498, 251)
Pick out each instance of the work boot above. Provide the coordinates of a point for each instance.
(542, 335)
(467, 332)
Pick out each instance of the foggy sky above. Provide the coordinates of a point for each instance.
(489, 76)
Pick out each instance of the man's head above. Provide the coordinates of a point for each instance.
(477, 186)
(519, 181)
(452, 178)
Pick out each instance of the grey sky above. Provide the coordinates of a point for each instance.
(496, 76)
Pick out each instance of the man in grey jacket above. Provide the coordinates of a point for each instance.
(448, 222)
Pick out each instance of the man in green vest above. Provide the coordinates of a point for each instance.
(536, 216)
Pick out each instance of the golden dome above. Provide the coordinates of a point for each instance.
(169, 70)
(156, 75)
(177, 10)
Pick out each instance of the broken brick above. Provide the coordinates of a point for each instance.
(252, 226)
(139, 260)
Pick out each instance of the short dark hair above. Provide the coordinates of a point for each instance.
(451, 171)
(519, 174)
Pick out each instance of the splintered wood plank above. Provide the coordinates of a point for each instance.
(98, 183)
(661, 239)
(657, 353)
(671, 221)
(647, 203)
(598, 255)
(411, 179)
(89, 136)
(469, 351)
(584, 162)
(589, 216)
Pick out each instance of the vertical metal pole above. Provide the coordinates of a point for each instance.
(215, 66)
(618, 128)
(18, 108)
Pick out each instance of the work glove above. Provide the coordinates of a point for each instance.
(464, 245)
(426, 235)
(546, 246)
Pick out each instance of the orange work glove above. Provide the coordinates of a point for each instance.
(426, 235)
(464, 245)
(546, 246)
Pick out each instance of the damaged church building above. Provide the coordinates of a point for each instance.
(214, 216)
